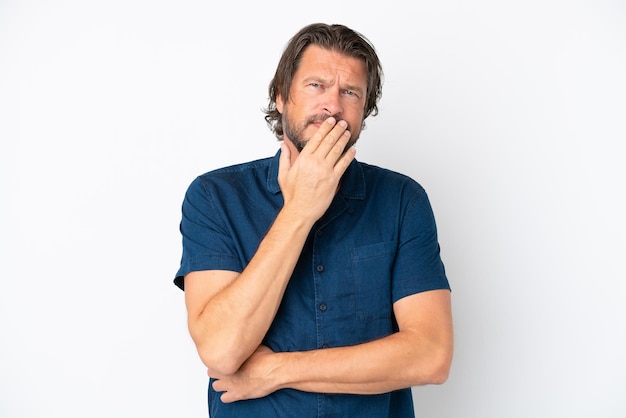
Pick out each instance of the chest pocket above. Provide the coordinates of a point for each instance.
(371, 271)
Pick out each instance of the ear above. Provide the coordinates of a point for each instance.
(279, 103)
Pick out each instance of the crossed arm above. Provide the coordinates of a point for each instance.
(420, 353)
(229, 313)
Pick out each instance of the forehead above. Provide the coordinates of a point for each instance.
(320, 62)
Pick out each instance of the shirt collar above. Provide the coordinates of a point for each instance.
(352, 182)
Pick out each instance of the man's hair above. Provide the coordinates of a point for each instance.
(337, 38)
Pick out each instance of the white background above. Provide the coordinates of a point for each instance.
(512, 115)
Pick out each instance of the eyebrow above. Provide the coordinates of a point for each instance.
(326, 81)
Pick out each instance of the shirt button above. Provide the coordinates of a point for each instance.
(320, 268)
(323, 307)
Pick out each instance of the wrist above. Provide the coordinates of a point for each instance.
(283, 371)
(297, 217)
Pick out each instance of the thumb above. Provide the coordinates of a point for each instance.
(284, 163)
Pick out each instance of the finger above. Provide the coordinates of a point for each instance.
(339, 147)
(318, 137)
(218, 386)
(227, 397)
(344, 162)
(331, 139)
(284, 163)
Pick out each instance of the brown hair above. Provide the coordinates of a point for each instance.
(332, 37)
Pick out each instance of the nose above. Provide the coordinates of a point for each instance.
(332, 102)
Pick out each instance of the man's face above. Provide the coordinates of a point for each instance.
(326, 84)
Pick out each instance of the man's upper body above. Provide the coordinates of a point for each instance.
(375, 246)
(312, 281)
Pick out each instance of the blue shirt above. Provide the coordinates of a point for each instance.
(376, 244)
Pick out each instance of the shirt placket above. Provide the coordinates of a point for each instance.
(322, 268)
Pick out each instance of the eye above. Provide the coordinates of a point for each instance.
(350, 93)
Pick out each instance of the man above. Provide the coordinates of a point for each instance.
(313, 282)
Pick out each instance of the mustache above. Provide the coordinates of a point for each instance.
(321, 118)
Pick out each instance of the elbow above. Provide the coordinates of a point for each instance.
(439, 376)
(439, 362)
(223, 366)
(219, 361)
(431, 370)
(218, 356)
(439, 371)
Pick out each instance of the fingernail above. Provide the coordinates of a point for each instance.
(330, 120)
(343, 123)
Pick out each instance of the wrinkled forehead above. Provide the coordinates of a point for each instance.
(332, 67)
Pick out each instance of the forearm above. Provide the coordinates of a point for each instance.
(233, 323)
(401, 360)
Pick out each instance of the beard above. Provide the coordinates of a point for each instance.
(295, 132)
